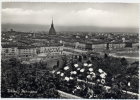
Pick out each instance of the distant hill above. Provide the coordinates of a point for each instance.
(35, 28)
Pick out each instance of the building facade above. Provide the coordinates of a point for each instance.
(26, 53)
(52, 50)
(8, 52)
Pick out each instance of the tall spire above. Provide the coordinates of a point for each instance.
(52, 30)
(52, 20)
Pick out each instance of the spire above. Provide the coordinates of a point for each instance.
(52, 30)
(52, 20)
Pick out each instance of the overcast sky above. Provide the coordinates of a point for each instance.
(72, 14)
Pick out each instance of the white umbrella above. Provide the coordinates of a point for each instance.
(129, 83)
(78, 68)
(71, 78)
(93, 74)
(89, 65)
(82, 70)
(90, 69)
(98, 80)
(100, 70)
(102, 81)
(102, 75)
(58, 72)
(66, 68)
(67, 78)
(75, 65)
(62, 74)
(88, 76)
(73, 72)
(85, 64)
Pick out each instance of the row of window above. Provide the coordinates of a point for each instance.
(10, 54)
(27, 50)
(52, 51)
(25, 56)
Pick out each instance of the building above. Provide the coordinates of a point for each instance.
(98, 47)
(88, 46)
(52, 30)
(5, 42)
(47, 52)
(71, 51)
(52, 50)
(135, 45)
(9, 51)
(128, 44)
(116, 45)
(80, 45)
(25, 53)
(69, 44)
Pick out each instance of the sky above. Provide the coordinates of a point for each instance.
(109, 15)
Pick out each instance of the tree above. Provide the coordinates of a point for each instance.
(14, 62)
(80, 59)
(124, 62)
(57, 63)
(105, 56)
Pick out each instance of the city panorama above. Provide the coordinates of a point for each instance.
(69, 50)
